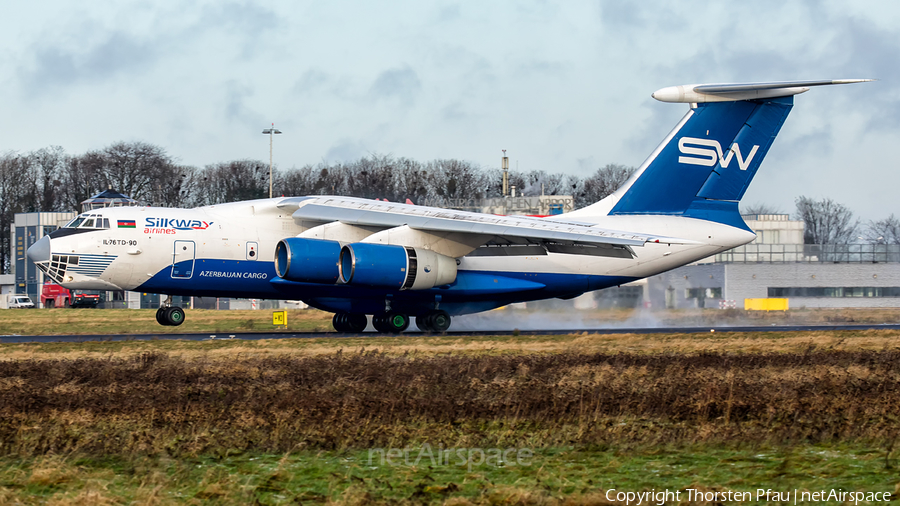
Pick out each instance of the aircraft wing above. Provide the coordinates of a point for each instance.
(363, 212)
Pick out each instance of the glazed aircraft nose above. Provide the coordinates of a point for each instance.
(39, 251)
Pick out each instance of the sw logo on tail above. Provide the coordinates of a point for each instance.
(709, 157)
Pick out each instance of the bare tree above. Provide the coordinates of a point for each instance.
(452, 179)
(297, 182)
(132, 168)
(49, 165)
(886, 231)
(232, 181)
(606, 180)
(826, 221)
(173, 186)
(372, 177)
(534, 183)
(82, 177)
(760, 208)
(16, 196)
(410, 180)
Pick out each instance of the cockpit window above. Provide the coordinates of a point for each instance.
(92, 221)
(74, 223)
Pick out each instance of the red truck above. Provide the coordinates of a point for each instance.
(53, 295)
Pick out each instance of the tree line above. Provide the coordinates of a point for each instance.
(826, 221)
(51, 180)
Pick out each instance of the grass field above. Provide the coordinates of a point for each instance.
(143, 321)
(315, 420)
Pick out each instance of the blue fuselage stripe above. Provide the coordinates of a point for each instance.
(257, 279)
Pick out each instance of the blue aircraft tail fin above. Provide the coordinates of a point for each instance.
(705, 167)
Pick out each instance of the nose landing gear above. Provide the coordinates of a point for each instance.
(169, 315)
(172, 316)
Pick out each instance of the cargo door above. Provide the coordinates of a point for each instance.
(183, 260)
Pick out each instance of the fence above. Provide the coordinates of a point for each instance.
(811, 253)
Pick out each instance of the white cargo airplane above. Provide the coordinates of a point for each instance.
(358, 257)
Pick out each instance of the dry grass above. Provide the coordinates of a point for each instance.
(169, 422)
(159, 404)
(736, 342)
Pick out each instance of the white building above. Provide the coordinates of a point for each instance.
(778, 264)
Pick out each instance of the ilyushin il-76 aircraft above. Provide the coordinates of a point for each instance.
(357, 257)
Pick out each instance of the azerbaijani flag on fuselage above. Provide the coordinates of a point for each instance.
(126, 224)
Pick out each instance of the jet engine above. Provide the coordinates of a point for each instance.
(393, 266)
(308, 260)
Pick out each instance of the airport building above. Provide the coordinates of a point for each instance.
(27, 229)
(777, 264)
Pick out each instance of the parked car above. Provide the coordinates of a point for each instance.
(53, 295)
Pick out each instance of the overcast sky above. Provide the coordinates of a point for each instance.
(563, 86)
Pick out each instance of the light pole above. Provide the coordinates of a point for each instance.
(271, 132)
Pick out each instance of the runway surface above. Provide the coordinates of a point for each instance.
(338, 335)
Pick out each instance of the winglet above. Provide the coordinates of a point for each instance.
(702, 93)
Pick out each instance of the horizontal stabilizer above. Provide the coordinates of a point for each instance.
(702, 93)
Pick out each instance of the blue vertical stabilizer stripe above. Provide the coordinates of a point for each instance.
(719, 211)
(750, 146)
(701, 161)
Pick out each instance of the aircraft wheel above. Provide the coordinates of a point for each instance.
(433, 321)
(159, 316)
(357, 322)
(440, 320)
(423, 323)
(378, 321)
(396, 323)
(390, 323)
(174, 316)
(339, 322)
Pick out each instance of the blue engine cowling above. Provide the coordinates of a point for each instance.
(393, 266)
(308, 260)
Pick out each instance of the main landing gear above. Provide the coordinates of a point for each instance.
(392, 322)
(433, 321)
(349, 322)
(168, 314)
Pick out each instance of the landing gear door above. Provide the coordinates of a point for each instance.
(252, 251)
(183, 260)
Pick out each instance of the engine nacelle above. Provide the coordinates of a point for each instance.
(392, 266)
(308, 260)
